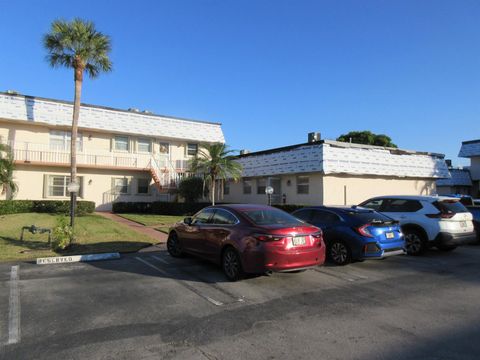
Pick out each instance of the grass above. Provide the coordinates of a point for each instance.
(94, 234)
(158, 222)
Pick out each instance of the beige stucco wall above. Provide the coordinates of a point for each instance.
(334, 189)
(351, 190)
(97, 185)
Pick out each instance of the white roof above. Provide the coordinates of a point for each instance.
(470, 149)
(459, 177)
(332, 157)
(59, 113)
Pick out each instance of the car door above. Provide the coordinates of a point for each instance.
(218, 231)
(194, 235)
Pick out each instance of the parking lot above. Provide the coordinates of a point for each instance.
(150, 306)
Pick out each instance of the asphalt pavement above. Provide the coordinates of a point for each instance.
(151, 306)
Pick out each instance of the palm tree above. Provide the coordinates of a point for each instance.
(7, 184)
(79, 46)
(215, 163)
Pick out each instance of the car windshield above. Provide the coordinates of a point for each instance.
(271, 217)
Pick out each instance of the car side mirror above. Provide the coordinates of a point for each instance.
(188, 220)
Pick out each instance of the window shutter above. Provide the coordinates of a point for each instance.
(45, 186)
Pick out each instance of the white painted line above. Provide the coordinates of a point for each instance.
(183, 283)
(14, 308)
(161, 260)
(77, 258)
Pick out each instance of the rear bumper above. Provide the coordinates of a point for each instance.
(452, 239)
(283, 261)
(380, 251)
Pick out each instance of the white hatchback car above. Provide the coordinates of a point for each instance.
(427, 220)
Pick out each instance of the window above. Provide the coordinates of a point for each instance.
(121, 143)
(261, 186)
(226, 188)
(374, 204)
(303, 184)
(304, 215)
(192, 149)
(61, 140)
(56, 185)
(143, 186)
(324, 217)
(164, 148)
(203, 217)
(120, 185)
(223, 217)
(401, 205)
(247, 186)
(144, 145)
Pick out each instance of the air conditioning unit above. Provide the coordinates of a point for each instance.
(314, 137)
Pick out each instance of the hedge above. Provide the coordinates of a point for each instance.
(158, 207)
(44, 206)
(171, 208)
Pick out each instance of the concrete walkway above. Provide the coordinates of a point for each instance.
(157, 236)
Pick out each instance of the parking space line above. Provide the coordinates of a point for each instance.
(205, 281)
(335, 275)
(181, 282)
(14, 308)
(161, 260)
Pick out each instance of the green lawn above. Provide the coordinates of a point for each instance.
(94, 234)
(160, 222)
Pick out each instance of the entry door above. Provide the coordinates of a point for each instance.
(277, 190)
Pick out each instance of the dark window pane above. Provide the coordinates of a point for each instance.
(324, 217)
(373, 204)
(223, 217)
(447, 206)
(304, 215)
(202, 217)
(402, 205)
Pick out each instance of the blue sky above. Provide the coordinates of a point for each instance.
(272, 71)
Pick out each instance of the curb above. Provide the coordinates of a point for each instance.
(77, 258)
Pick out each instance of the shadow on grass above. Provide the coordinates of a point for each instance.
(30, 245)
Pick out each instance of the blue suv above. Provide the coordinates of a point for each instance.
(355, 233)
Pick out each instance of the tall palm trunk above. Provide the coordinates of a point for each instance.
(78, 78)
(213, 189)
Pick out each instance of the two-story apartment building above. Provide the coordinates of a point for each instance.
(471, 149)
(327, 172)
(123, 155)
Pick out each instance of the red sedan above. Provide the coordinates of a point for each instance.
(248, 238)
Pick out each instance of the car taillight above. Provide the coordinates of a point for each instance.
(267, 237)
(363, 230)
(317, 237)
(440, 215)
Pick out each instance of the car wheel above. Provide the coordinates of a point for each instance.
(415, 242)
(339, 253)
(446, 247)
(232, 267)
(173, 245)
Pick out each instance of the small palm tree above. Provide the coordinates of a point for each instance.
(215, 163)
(79, 46)
(6, 171)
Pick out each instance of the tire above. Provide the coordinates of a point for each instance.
(339, 252)
(174, 247)
(446, 247)
(415, 242)
(231, 264)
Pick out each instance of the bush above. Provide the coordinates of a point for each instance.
(158, 207)
(63, 234)
(44, 206)
(191, 189)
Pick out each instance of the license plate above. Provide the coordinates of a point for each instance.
(463, 224)
(389, 235)
(299, 240)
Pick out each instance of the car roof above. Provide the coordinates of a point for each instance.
(430, 198)
(240, 207)
(340, 209)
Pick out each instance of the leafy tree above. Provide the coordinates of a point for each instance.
(367, 138)
(216, 164)
(191, 189)
(7, 184)
(79, 46)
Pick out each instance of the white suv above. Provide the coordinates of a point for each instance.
(427, 220)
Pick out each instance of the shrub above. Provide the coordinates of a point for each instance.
(63, 234)
(44, 206)
(191, 189)
(158, 207)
